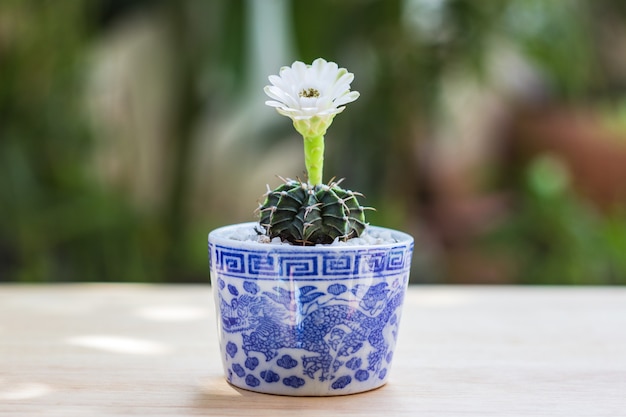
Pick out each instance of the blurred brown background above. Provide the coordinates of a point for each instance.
(493, 131)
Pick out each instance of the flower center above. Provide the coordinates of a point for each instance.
(309, 93)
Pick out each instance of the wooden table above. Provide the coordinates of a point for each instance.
(134, 350)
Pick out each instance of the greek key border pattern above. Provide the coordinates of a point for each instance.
(250, 264)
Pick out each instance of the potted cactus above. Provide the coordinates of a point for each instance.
(309, 297)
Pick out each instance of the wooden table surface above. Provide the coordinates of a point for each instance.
(151, 350)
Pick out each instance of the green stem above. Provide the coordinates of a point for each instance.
(314, 158)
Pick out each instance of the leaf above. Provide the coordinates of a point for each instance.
(310, 297)
(307, 288)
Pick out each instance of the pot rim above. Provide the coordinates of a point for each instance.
(216, 236)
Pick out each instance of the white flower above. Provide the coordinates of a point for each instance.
(311, 95)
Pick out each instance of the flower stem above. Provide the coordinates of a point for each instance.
(314, 158)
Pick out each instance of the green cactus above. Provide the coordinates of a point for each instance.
(307, 214)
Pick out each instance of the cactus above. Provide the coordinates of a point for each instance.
(310, 212)
(307, 214)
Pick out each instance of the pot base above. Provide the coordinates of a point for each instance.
(298, 394)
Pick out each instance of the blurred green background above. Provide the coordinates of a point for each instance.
(493, 131)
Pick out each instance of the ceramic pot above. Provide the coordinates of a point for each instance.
(308, 320)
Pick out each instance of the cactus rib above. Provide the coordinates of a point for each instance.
(307, 214)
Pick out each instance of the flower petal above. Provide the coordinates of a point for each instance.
(299, 69)
(280, 95)
(273, 103)
(303, 92)
(347, 98)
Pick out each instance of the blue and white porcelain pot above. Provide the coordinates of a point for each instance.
(308, 320)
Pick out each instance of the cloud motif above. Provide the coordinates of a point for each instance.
(270, 376)
(362, 375)
(252, 381)
(233, 290)
(354, 363)
(231, 349)
(287, 362)
(251, 287)
(293, 381)
(221, 283)
(252, 363)
(342, 382)
(238, 369)
(382, 374)
(337, 289)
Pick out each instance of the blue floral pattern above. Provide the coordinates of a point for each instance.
(319, 323)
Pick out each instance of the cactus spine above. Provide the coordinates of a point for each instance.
(307, 214)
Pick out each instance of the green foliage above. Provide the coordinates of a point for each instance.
(553, 35)
(307, 214)
(58, 222)
(553, 237)
(44, 189)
